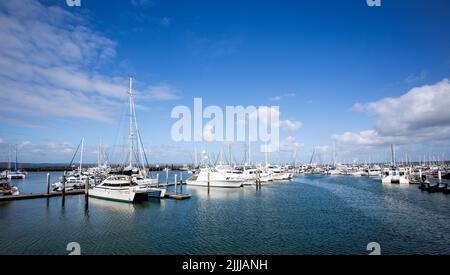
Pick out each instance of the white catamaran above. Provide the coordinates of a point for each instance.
(134, 183)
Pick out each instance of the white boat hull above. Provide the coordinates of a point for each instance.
(16, 176)
(216, 183)
(123, 195)
(395, 180)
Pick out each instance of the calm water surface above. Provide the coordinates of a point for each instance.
(312, 214)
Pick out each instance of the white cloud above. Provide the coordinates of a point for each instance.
(358, 107)
(421, 115)
(289, 125)
(39, 152)
(281, 97)
(290, 144)
(49, 66)
(160, 92)
(266, 114)
(272, 115)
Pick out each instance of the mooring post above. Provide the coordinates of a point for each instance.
(440, 176)
(157, 180)
(258, 179)
(86, 192)
(48, 183)
(175, 183)
(167, 178)
(208, 179)
(63, 181)
(181, 182)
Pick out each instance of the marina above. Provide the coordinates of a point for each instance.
(222, 133)
(311, 214)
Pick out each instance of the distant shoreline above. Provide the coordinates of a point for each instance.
(44, 167)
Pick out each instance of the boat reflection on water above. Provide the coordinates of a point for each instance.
(201, 192)
(117, 207)
(112, 207)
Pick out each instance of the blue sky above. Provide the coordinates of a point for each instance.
(329, 65)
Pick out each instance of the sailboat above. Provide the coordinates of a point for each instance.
(16, 174)
(134, 182)
(395, 175)
(75, 179)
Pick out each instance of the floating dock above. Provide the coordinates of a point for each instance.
(76, 192)
(177, 196)
(39, 196)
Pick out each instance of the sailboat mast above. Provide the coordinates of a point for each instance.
(265, 155)
(195, 156)
(9, 157)
(15, 164)
(81, 155)
(139, 142)
(249, 151)
(130, 92)
(230, 162)
(393, 154)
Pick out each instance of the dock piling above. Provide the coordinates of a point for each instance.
(157, 180)
(175, 184)
(167, 178)
(48, 183)
(181, 182)
(86, 192)
(63, 181)
(258, 179)
(208, 180)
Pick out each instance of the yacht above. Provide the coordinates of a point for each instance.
(395, 176)
(371, 172)
(119, 188)
(134, 182)
(215, 179)
(248, 174)
(251, 174)
(149, 183)
(75, 181)
(278, 173)
(6, 188)
(16, 175)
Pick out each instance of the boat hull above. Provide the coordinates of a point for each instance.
(395, 180)
(221, 184)
(125, 195)
(16, 176)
